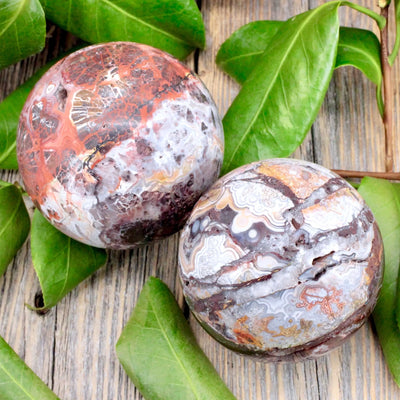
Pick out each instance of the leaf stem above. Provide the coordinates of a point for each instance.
(387, 93)
(380, 19)
(396, 45)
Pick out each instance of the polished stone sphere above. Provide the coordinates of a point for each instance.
(281, 259)
(117, 142)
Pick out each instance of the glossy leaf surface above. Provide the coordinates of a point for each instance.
(17, 380)
(240, 53)
(60, 262)
(361, 49)
(22, 30)
(173, 26)
(383, 198)
(280, 99)
(14, 223)
(159, 352)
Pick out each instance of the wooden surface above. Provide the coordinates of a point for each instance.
(72, 347)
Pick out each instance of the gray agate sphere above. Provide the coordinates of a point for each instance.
(281, 259)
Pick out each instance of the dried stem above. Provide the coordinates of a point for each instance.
(387, 93)
(393, 176)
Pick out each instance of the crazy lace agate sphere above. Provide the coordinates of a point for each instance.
(281, 259)
(117, 142)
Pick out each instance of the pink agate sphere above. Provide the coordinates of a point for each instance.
(116, 143)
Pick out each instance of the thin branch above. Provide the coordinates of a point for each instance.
(344, 173)
(388, 109)
(396, 46)
(387, 93)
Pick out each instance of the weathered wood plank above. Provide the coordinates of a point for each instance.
(72, 347)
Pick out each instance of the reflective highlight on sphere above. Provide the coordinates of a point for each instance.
(117, 142)
(281, 259)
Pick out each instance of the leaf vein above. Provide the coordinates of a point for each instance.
(364, 53)
(240, 56)
(141, 21)
(13, 214)
(174, 352)
(17, 13)
(15, 381)
(67, 267)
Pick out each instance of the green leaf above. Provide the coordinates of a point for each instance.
(10, 109)
(175, 26)
(17, 380)
(359, 48)
(159, 352)
(22, 30)
(240, 53)
(383, 198)
(60, 262)
(14, 223)
(280, 99)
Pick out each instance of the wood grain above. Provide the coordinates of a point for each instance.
(72, 347)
